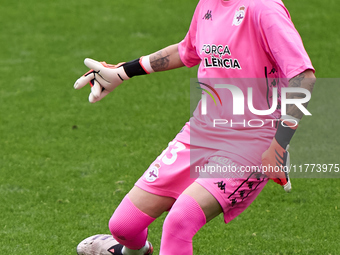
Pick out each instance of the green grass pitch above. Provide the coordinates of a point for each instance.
(66, 164)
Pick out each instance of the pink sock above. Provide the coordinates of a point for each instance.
(182, 223)
(129, 225)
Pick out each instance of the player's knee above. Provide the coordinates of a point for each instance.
(115, 226)
(119, 229)
(185, 218)
(174, 223)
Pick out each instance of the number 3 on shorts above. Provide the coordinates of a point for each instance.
(175, 147)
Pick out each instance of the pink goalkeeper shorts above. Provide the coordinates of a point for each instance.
(181, 164)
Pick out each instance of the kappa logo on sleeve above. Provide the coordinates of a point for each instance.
(239, 16)
(208, 15)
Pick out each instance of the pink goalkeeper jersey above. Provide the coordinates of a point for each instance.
(247, 44)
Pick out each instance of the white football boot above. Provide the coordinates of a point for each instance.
(106, 245)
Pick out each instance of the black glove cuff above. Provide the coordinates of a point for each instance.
(133, 68)
(284, 134)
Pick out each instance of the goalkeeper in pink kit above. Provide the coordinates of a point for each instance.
(249, 44)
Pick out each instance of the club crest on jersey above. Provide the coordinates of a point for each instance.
(239, 16)
(152, 173)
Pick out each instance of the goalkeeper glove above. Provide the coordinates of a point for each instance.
(276, 159)
(102, 77)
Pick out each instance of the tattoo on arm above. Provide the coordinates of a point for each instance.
(299, 81)
(296, 81)
(160, 61)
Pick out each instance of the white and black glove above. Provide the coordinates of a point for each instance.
(276, 159)
(102, 77)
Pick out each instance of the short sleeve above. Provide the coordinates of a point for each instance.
(187, 47)
(282, 40)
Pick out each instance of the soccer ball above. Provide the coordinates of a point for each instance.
(99, 245)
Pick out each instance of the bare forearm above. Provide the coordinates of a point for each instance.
(304, 80)
(166, 59)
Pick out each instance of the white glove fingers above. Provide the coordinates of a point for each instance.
(96, 89)
(102, 72)
(105, 79)
(99, 77)
(103, 94)
(93, 99)
(82, 81)
(93, 64)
